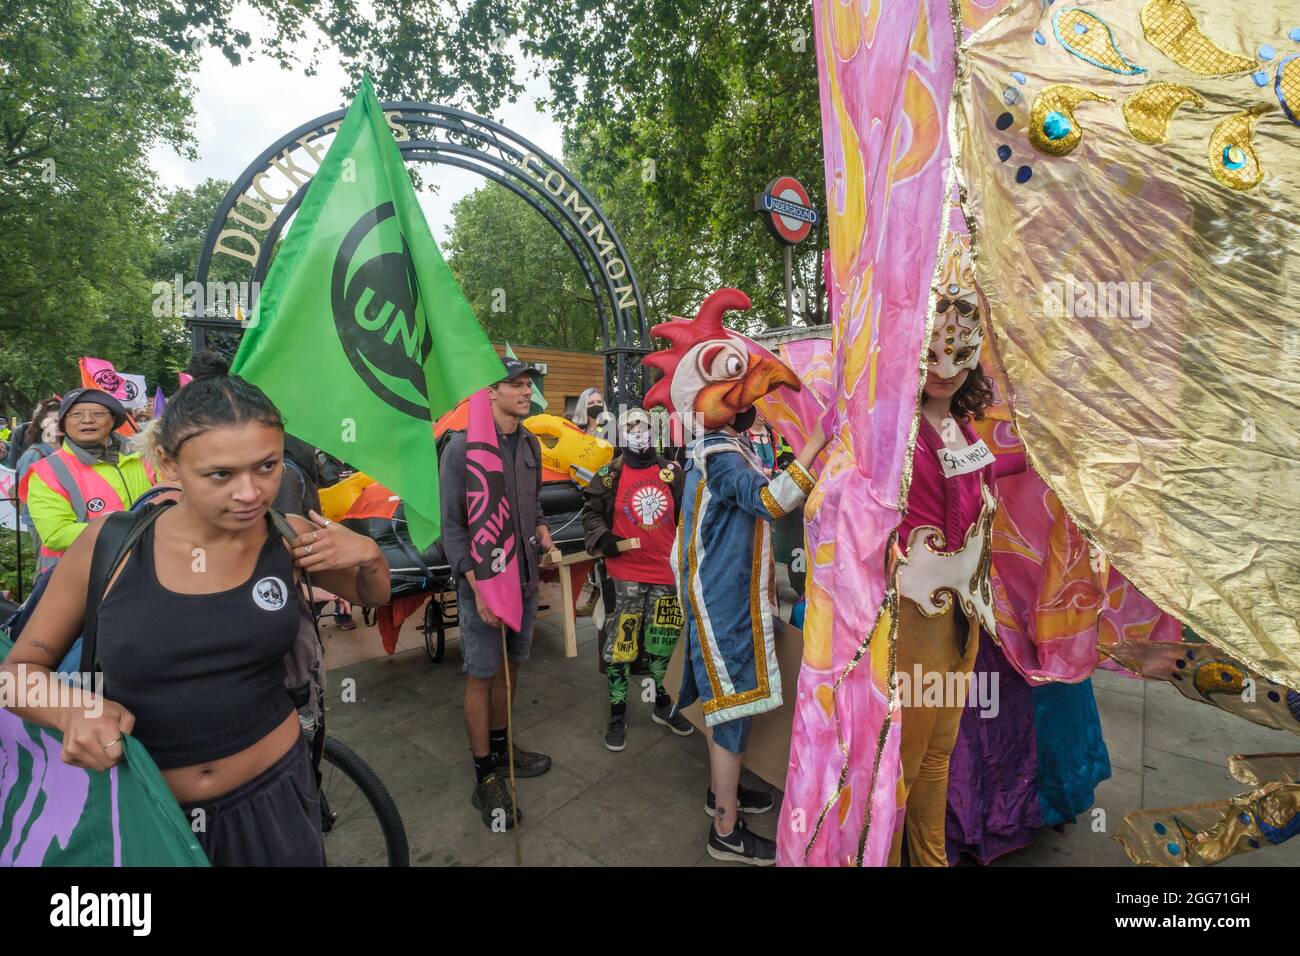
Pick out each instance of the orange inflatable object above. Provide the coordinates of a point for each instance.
(338, 498)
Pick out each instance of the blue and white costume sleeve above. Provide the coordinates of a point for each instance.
(726, 579)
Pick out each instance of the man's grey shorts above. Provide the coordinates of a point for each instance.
(480, 644)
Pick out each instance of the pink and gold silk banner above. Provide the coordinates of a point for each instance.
(1055, 599)
(794, 414)
(1133, 168)
(885, 72)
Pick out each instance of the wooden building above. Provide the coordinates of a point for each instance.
(566, 373)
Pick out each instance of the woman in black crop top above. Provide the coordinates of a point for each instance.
(194, 630)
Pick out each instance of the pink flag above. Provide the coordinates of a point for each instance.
(493, 544)
(100, 374)
(184, 379)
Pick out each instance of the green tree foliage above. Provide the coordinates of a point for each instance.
(89, 87)
(517, 273)
(696, 105)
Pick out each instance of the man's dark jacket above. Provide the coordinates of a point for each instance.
(523, 480)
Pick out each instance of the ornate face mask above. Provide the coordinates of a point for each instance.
(958, 332)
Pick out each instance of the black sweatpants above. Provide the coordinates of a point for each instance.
(272, 820)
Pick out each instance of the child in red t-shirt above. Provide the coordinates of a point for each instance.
(637, 495)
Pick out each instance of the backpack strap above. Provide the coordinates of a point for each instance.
(117, 536)
(287, 531)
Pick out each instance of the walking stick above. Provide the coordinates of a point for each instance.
(510, 744)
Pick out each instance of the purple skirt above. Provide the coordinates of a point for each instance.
(993, 804)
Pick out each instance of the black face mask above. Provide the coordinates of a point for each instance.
(744, 421)
(595, 411)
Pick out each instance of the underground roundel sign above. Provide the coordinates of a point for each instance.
(377, 311)
(787, 210)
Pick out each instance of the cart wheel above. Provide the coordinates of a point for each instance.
(435, 636)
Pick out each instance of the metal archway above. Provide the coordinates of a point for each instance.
(261, 201)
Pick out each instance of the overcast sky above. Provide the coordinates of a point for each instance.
(239, 111)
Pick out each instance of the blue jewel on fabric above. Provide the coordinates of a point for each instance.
(1018, 77)
(1266, 52)
(1023, 174)
(1080, 29)
(1174, 849)
(1161, 828)
(1293, 705)
(1004, 152)
(1275, 697)
(1191, 655)
(1180, 663)
(1011, 96)
(1233, 158)
(1226, 677)
(1040, 39)
(1244, 818)
(1254, 844)
(1294, 34)
(1176, 676)
(1004, 121)
(1056, 125)
(1260, 78)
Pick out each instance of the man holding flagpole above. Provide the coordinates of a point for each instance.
(493, 532)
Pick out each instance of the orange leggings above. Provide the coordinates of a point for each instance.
(929, 733)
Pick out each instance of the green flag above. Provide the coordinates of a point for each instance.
(539, 401)
(361, 335)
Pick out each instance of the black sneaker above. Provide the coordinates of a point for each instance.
(748, 801)
(742, 845)
(492, 799)
(616, 734)
(527, 763)
(670, 718)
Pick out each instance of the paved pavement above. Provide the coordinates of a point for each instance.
(644, 806)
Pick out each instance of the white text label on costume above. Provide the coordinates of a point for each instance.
(971, 458)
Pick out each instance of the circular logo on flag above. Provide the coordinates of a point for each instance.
(107, 380)
(376, 302)
(270, 594)
(95, 505)
(491, 529)
(132, 393)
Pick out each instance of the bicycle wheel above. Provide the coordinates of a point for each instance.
(359, 819)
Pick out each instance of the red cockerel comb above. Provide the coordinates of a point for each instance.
(685, 334)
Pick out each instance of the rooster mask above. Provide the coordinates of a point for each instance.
(711, 374)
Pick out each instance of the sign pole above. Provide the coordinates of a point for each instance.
(789, 286)
(789, 216)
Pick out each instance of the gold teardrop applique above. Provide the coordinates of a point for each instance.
(1147, 111)
(1052, 126)
(1090, 38)
(1230, 153)
(1171, 27)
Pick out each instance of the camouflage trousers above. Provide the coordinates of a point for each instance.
(644, 616)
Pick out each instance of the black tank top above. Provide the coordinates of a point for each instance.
(202, 673)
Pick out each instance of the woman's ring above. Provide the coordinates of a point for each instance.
(111, 742)
(309, 549)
